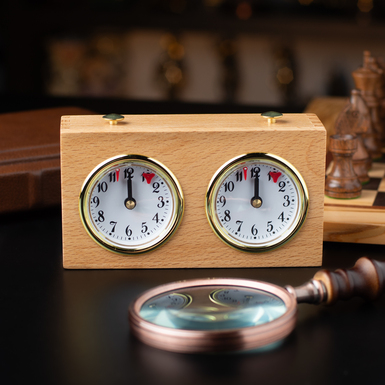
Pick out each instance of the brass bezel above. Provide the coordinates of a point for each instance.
(207, 341)
(225, 170)
(98, 172)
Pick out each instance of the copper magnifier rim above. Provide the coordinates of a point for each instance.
(200, 341)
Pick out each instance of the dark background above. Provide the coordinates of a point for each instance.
(70, 327)
(28, 26)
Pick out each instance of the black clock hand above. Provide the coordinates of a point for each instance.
(129, 202)
(256, 200)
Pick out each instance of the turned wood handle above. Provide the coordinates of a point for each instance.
(365, 279)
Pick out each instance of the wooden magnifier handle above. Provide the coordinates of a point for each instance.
(365, 279)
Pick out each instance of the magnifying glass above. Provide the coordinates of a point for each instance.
(223, 314)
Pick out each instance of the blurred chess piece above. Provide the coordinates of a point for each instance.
(355, 119)
(170, 71)
(342, 182)
(367, 80)
(374, 65)
(284, 69)
(227, 50)
(381, 96)
(65, 60)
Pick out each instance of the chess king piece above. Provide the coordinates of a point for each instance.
(355, 119)
(381, 95)
(342, 182)
(367, 80)
(378, 124)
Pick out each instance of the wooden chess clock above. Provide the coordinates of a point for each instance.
(184, 191)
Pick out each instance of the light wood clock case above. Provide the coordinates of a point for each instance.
(188, 191)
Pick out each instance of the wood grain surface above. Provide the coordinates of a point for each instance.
(193, 147)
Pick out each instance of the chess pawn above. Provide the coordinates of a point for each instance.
(366, 80)
(342, 182)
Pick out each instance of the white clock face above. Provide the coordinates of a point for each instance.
(131, 204)
(256, 202)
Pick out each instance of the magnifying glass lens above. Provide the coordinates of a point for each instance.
(213, 315)
(232, 314)
(213, 308)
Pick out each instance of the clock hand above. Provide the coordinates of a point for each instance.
(256, 200)
(129, 202)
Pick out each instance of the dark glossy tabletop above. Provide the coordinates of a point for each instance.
(70, 326)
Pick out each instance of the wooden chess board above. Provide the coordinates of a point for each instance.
(359, 220)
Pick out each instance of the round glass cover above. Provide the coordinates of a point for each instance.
(256, 202)
(213, 307)
(131, 204)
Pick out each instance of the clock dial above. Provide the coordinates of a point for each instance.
(131, 204)
(256, 202)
